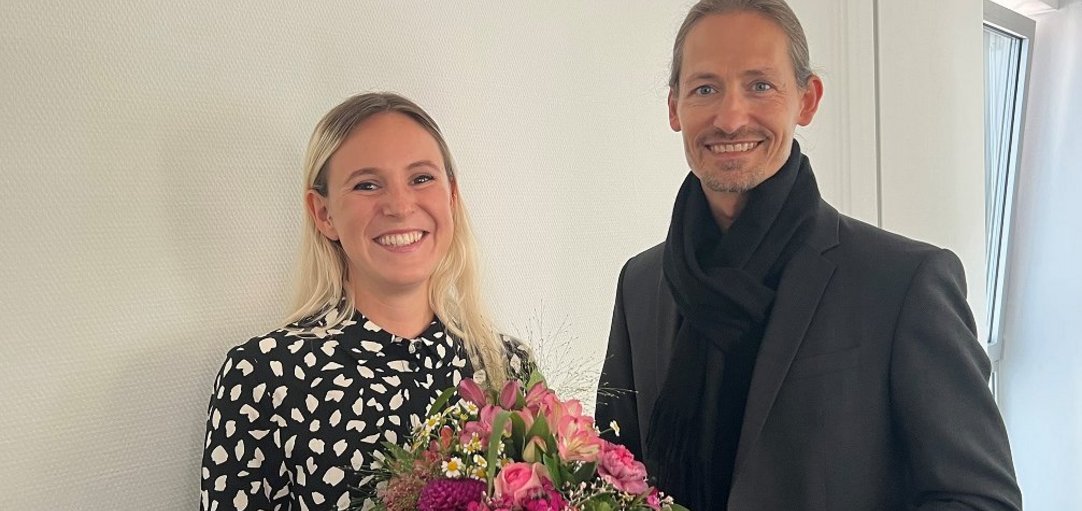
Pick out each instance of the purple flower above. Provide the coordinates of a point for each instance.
(450, 494)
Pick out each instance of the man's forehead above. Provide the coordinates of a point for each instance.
(739, 43)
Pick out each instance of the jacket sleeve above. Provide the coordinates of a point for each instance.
(948, 423)
(616, 398)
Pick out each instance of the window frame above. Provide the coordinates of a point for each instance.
(1014, 24)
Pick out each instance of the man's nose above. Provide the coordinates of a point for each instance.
(399, 200)
(732, 113)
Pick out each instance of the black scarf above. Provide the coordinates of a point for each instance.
(723, 285)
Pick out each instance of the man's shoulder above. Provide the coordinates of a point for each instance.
(645, 264)
(861, 240)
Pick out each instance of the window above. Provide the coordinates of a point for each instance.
(1007, 39)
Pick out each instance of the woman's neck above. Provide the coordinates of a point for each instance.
(406, 313)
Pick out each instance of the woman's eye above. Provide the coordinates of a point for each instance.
(423, 178)
(704, 90)
(761, 87)
(365, 186)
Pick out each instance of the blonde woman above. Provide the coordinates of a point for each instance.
(387, 315)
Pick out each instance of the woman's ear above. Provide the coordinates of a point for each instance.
(316, 205)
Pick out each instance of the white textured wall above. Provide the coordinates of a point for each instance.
(149, 189)
(931, 112)
(1041, 386)
(149, 192)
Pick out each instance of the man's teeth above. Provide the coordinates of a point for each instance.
(399, 240)
(732, 148)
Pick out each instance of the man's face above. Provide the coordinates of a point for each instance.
(738, 101)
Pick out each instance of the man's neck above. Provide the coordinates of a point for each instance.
(725, 206)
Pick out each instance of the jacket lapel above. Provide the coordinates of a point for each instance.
(666, 323)
(799, 291)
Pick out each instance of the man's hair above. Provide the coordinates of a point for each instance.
(774, 10)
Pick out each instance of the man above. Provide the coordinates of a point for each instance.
(779, 355)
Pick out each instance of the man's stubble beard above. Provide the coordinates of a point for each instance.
(731, 179)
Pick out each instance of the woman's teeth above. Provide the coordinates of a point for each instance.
(400, 239)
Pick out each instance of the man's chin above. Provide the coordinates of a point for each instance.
(729, 181)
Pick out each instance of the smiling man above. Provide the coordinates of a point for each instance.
(777, 355)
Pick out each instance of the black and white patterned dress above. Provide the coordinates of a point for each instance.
(296, 415)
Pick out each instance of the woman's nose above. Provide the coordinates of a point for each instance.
(398, 201)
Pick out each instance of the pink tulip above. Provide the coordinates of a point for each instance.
(469, 390)
(509, 394)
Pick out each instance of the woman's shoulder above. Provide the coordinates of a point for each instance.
(288, 344)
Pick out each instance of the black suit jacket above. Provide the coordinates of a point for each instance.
(870, 390)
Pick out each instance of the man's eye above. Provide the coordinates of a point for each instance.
(704, 90)
(761, 87)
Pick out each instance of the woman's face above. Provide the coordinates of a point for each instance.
(389, 204)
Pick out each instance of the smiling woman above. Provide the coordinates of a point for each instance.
(386, 198)
(387, 316)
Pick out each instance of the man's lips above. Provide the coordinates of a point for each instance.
(731, 147)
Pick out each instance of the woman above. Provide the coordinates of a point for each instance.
(388, 314)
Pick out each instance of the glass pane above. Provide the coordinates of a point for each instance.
(1003, 54)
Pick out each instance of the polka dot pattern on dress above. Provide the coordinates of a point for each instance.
(297, 416)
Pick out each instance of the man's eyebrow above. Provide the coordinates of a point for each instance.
(762, 71)
(703, 75)
(750, 73)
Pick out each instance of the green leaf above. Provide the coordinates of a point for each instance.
(553, 466)
(600, 503)
(535, 378)
(518, 435)
(584, 473)
(494, 441)
(441, 401)
(395, 451)
(677, 507)
(540, 428)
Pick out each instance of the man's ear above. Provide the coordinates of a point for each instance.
(809, 100)
(674, 120)
(316, 205)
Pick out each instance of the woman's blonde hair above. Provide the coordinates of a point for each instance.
(454, 290)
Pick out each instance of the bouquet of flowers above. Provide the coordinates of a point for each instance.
(522, 449)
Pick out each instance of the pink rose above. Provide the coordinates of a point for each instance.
(618, 467)
(521, 481)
